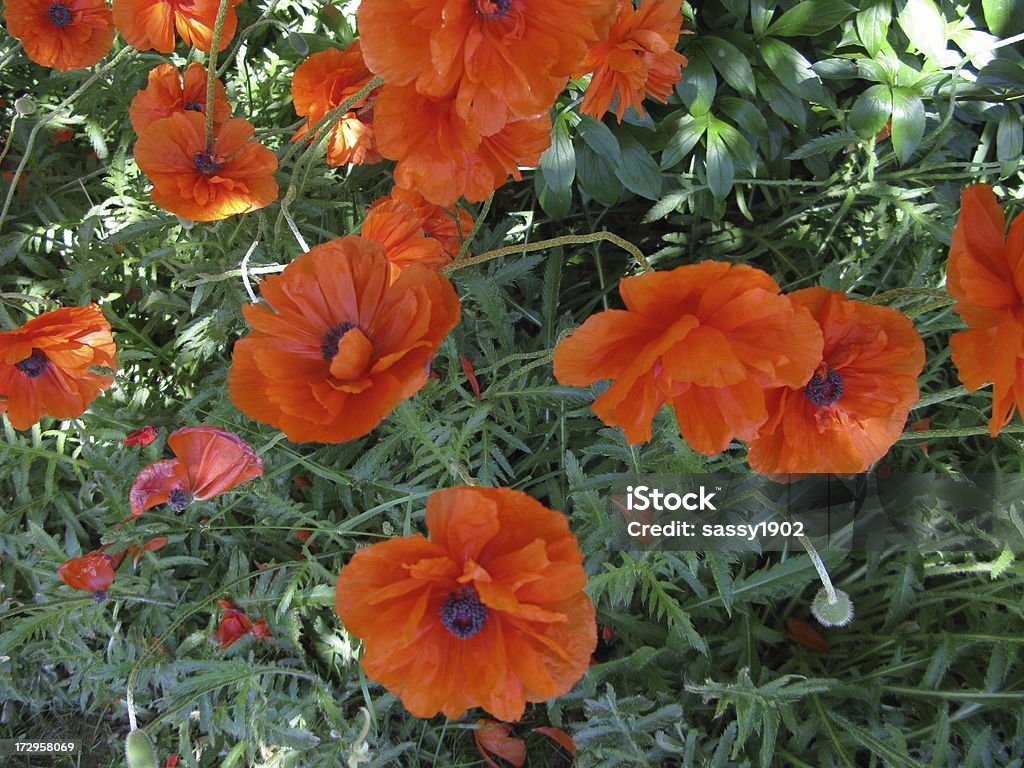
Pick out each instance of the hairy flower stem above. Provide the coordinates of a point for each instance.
(49, 118)
(819, 566)
(211, 70)
(554, 242)
(467, 239)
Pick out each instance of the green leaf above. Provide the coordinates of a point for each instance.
(638, 172)
(811, 17)
(1004, 18)
(738, 146)
(745, 115)
(873, 26)
(730, 62)
(684, 139)
(555, 202)
(599, 138)
(698, 84)
(1009, 136)
(596, 176)
(871, 111)
(720, 167)
(792, 70)
(925, 26)
(558, 163)
(907, 122)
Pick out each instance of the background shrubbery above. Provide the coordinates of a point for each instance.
(823, 141)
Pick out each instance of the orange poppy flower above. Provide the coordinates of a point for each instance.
(498, 59)
(143, 436)
(985, 274)
(68, 34)
(336, 346)
(708, 338)
(489, 612)
(395, 225)
(234, 625)
(165, 94)
(444, 158)
(437, 222)
(850, 411)
(92, 573)
(324, 81)
(45, 365)
(638, 57)
(203, 184)
(208, 461)
(150, 24)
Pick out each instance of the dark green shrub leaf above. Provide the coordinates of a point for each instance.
(871, 111)
(687, 134)
(925, 26)
(599, 138)
(744, 114)
(638, 172)
(558, 163)
(698, 84)
(1004, 18)
(597, 176)
(907, 122)
(811, 17)
(792, 69)
(730, 62)
(873, 25)
(721, 170)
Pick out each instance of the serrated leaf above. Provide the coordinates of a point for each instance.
(811, 17)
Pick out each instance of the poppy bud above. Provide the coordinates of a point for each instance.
(139, 750)
(25, 106)
(233, 626)
(832, 613)
(143, 436)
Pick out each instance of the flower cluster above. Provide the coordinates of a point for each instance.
(813, 381)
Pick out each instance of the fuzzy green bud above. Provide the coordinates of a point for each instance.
(837, 613)
(139, 751)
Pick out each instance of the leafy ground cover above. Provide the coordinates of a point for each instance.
(824, 142)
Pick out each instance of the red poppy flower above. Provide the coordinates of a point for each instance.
(395, 225)
(850, 411)
(234, 625)
(150, 24)
(321, 83)
(168, 92)
(497, 59)
(442, 157)
(985, 274)
(68, 34)
(449, 228)
(208, 461)
(45, 365)
(260, 629)
(91, 573)
(638, 57)
(203, 184)
(708, 338)
(144, 436)
(489, 612)
(336, 346)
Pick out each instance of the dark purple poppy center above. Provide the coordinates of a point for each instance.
(463, 614)
(205, 163)
(330, 346)
(492, 9)
(194, 106)
(59, 15)
(34, 365)
(99, 595)
(178, 499)
(824, 390)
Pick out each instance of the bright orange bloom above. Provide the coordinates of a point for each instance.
(638, 57)
(165, 94)
(436, 221)
(852, 409)
(335, 345)
(208, 461)
(234, 625)
(321, 83)
(92, 573)
(444, 158)
(489, 612)
(149, 24)
(708, 338)
(395, 225)
(985, 274)
(44, 365)
(189, 179)
(70, 34)
(497, 59)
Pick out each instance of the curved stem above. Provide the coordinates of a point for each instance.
(468, 238)
(554, 242)
(211, 70)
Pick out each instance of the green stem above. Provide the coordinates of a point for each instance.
(554, 242)
(932, 434)
(468, 239)
(897, 293)
(211, 70)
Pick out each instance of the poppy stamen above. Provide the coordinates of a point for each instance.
(824, 390)
(194, 106)
(463, 614)
(99, 595)
(59, 15)
(178, 499)
(205, 163)
(330, 346)
(34, 365)
(486, 9)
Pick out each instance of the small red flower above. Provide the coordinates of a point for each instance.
(467, 368)
(91, 573)
(61, 136)
(209, 461)
(234, 625)
(144, 436)
(260, 629)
